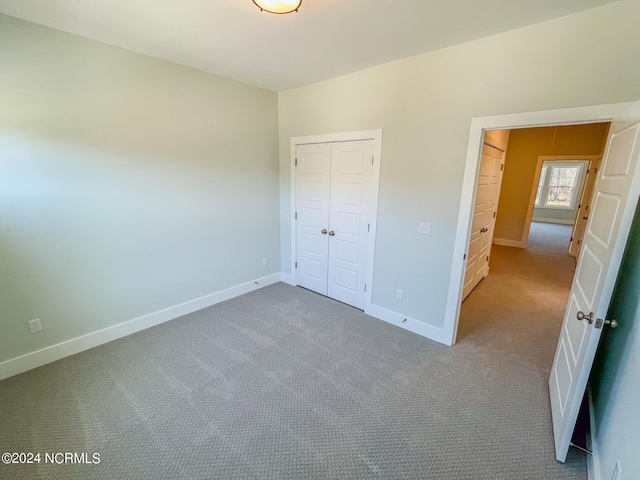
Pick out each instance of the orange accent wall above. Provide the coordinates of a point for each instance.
(525, 146)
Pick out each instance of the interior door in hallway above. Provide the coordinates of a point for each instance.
(616, 193)
(584, 208)
(484, 217)
(333, 205)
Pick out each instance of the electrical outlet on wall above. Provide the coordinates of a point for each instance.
(35, 326)
(265, 261)
(424, 228)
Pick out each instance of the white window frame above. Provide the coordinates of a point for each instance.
(544, 192)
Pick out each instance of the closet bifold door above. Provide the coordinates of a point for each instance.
(350, 185)
(312, 208)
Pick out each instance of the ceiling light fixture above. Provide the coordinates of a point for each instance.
(278, 6)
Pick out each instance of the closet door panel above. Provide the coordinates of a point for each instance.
(312, 207)
(351, 175)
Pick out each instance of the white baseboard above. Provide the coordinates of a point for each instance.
(288, 278)
(509, 243)
(593, 460)
(553, 220)
(408, 323)
(50, 354)
(394, 318)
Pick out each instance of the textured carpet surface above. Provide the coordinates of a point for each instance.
(549, 238)
(284, 383)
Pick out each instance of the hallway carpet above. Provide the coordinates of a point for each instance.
(284, 383)
(549, 238)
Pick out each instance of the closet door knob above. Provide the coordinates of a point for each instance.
(332, 233)
(324, 231)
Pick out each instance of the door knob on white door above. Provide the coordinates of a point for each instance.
(613, 323)
(324, 231)
(332, 233)
(589, 318)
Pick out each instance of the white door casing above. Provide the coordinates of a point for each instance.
(484, 217)
(312, 200)
(615, 196)
(351, 173)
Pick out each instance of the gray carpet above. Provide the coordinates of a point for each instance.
(549, 238)
(284, 383)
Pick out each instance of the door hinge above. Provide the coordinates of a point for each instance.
(296, 164)
(296, 264)
(296, 215)
(595, 171)
(464, 257)
(494, 214)
(371, 159)
(368, 227)
(487, 258)
(365, 287)
(579, 205)
(588, 170)
(571, 239)
(501, 166)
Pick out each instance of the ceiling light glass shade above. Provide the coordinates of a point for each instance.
(278, 6)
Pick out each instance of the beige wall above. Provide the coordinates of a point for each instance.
(425, 104)
(127, 185)
(525, 146)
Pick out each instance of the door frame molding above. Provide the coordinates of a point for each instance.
(376, 136)
(565, 116)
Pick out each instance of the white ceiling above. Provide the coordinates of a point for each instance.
(325, 39)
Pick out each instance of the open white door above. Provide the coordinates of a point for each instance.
(584, 208)
(484, 217)
(615, 196)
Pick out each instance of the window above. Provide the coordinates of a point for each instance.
(558, 185)
(543, 179)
